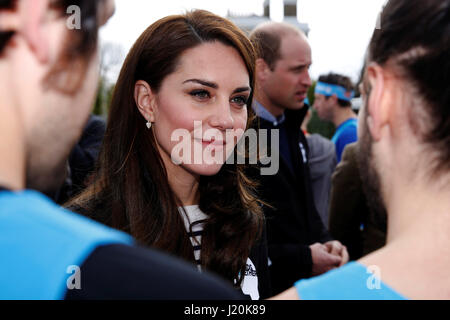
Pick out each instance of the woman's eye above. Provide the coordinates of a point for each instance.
(240, 100)
(200, 94)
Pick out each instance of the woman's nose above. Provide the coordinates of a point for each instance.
(222, 118)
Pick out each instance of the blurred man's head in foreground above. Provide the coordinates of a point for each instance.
(404, 128)
(49, 65)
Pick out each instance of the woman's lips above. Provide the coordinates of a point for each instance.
(218, 143)
(215, 143)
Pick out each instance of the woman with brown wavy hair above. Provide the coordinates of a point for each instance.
(193, 74)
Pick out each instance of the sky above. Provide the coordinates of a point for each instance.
(340, 30)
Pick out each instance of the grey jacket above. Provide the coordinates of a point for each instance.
(322, 162)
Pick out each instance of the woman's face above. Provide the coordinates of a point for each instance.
(201, 109)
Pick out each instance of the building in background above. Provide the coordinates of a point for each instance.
(249, 22)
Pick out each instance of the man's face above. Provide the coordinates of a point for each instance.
(369, 173)
(324, 107)
(287, 85)
(54, 120)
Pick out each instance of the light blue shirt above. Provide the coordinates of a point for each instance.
(266, 115)
(41, 243)
(353, 281)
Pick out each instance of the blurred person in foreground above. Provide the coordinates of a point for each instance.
(47, 88)
(404, 152)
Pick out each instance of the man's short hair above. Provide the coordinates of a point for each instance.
(339, 80)
(267, 39)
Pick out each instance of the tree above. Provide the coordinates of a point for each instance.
(104, 97)
(111, 57)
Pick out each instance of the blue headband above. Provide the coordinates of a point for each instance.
(330, 89)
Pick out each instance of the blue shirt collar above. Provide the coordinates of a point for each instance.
(266, 115)
(348, 122)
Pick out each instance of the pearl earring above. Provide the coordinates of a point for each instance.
(149, 124)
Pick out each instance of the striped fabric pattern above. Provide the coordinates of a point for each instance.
(193, 219)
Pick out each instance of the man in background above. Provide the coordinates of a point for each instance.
(333, 96)
(299, 244)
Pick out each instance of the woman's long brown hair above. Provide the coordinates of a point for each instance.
(130, 190)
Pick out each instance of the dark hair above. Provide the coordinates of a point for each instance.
(6, 35)
(413, 42)
(131, 190)
(80, 44)
(340, 80)
(267, 39)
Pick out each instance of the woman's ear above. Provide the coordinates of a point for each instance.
(145, 100)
